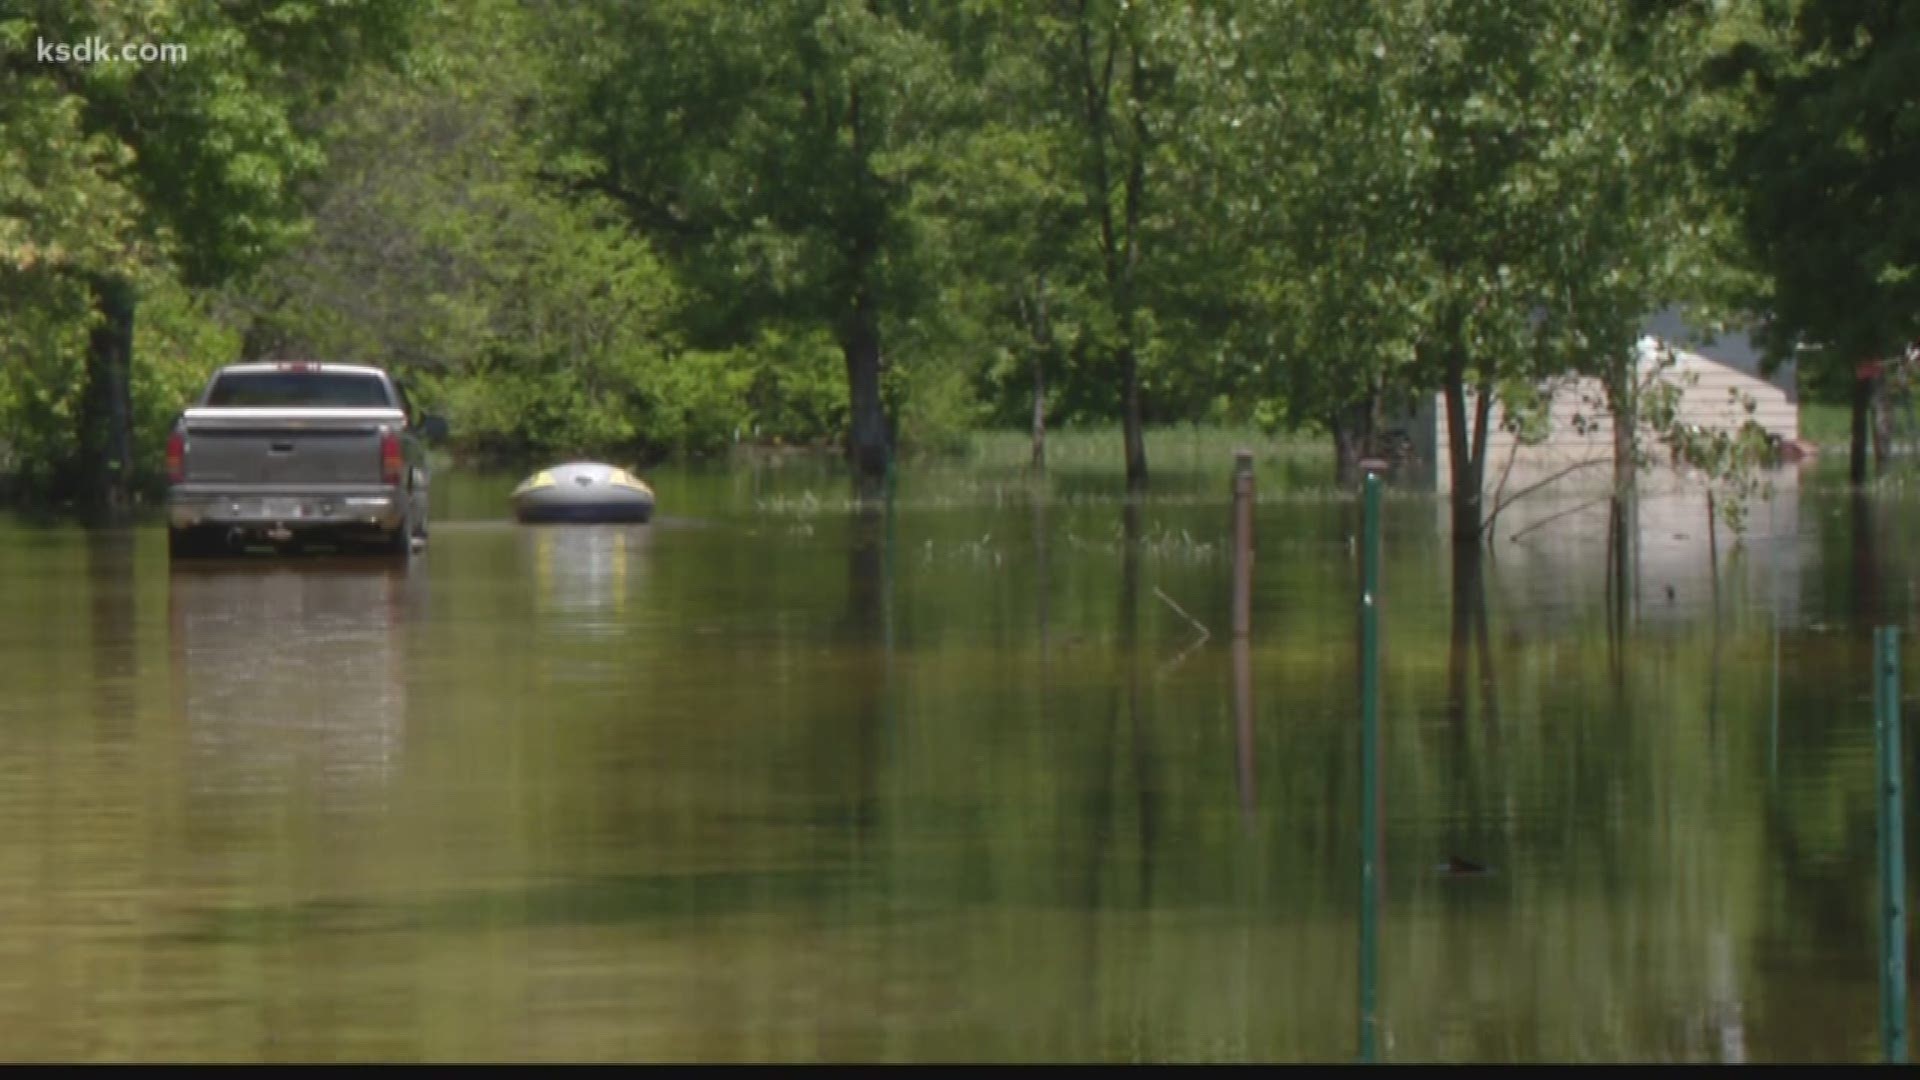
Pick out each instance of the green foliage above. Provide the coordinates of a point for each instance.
(180, 342)
(661, 228)
(1819, 169)
(40, 374)
(195, 159)
(774, 151)
(1728, 463)
(536, 322)
(123, 176)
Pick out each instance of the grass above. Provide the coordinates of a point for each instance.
(1188, 463)
(1176, 447)
(1825, 425)
(1830, 426)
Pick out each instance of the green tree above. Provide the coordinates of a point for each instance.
(1092, 233)
(536, 318)
(773, 151)
(1314, 194)
(1821, 170)
(1012, 215)
(193, 162)
(1456, 196)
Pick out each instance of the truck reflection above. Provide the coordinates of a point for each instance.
(290, 676)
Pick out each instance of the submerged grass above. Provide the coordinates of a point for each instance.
(965, 494)
(1830, 426)
(1188, 465)
(1172, 447)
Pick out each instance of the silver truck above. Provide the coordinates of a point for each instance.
(291, 453)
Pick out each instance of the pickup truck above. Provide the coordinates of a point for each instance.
(286, 453)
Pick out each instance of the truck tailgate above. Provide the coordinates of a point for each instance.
(286, 447)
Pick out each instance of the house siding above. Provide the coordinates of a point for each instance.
(1580, 430)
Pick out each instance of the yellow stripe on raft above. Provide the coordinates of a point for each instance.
(542, 479)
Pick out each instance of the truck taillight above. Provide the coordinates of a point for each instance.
(391, 462)
(176, 458)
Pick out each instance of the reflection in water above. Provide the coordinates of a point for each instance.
(1243, 743)
(112, 625)
(1469, 641)
(1867, 601)
(868, 628)
(811, 802)
(1128, 709)
(1623, 540)
(289, 673)
(587, 574)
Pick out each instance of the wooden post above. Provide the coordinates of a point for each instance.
(1242, 542)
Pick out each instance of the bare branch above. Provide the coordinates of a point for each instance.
(1506, 470)
(1538, 484)
(1551, 518)
(1197, 624)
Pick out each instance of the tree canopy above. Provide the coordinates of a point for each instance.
(663, 228)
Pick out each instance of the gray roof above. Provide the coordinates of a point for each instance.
(1734, 348)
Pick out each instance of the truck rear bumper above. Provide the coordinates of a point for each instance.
(369, 510)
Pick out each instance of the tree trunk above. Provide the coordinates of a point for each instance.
(1882, 411)
(1623, 405)
(1346, 451)
(1042, 345)
(1039, 413)
(1467, 452)
(1862, 403)
(1133, 427)
(1356, 436)
(1623, 518)
(106, 408)
(867, 442)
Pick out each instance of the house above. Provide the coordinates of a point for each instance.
(1561, 521)
(1721, 387)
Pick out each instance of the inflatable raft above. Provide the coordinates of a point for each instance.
(582, 491)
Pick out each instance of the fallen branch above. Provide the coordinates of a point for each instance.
(1551, 518)
(1176, 661)
(1197, 624)
(1502, 504)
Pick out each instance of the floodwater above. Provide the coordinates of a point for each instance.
(973, 778)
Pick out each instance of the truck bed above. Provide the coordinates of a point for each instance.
(285, 447)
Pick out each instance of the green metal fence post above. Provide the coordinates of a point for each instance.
(1370, 766)
(1893, 848)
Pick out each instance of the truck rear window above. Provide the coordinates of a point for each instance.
(297, 390)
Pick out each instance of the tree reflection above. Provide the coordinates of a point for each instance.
(1468, 642)
(1865, 560)
(1126, 745)
(1130, 658)
(868, 626)
(111, 624)
(1243, 742)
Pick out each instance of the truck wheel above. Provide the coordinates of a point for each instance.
(189, 544)
(398, 544)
